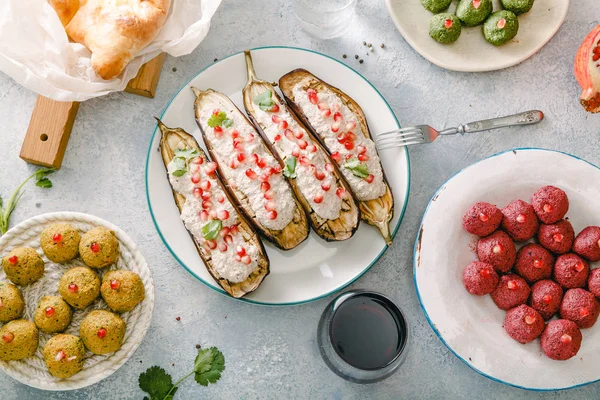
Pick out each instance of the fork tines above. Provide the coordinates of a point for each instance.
(400, 137)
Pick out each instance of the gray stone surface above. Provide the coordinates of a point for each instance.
(271, 352)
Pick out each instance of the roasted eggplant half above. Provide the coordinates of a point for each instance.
(252, 175)
(341, 126)
(325, 195)
(229, 246)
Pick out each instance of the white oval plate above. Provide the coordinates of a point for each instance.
(471, 52)
(315, 268)
(471, 326)
(32, 371)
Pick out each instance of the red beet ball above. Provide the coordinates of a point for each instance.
(561, 339)
(594, 282)
(480, 278)
(519, 221)
(550, 204)
(497, 249)
(512, 291)
(534, 263)
(558, 237)
(587, 243)
(523, 324)
(546, 297)
(482, 219)
(580, 306)
(571, 271)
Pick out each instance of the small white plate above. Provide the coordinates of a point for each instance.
(471, 326)
(471, 52)
(315, 268)
(32, 371)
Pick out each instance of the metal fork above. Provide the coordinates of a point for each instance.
(426, 134)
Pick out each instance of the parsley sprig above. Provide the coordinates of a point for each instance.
(7, 209)
(264, 100)
(220, 119)
(290, 167)
(357, 168)
(182, 161)
(208, 366)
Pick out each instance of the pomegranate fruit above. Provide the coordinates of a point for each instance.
(587, 71)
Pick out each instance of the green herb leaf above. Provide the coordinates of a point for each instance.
(187, 154)
(217, 120)
(264, 100)
(44, 183)
(290, 167)
(211, 372)
(179, 172)
(227, 123)
(203, 361)
(157, 383)
(357, 168)
(211, 230)
(43, 172)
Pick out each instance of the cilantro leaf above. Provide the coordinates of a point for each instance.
(203, 361)
(44, 183)
(227, 123)
(157, 383)
(216, 367)
(43, 173)
(290, 167)
(211, 230)
(182, 159)
(186, 154)
(357, 168)
(264, 100)
(217, 119)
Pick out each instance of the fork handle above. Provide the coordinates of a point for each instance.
(524, 118)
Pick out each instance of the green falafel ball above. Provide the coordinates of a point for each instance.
(517, 6)
(445, 28)
(436, 6)
(474, 12)
(501, 27)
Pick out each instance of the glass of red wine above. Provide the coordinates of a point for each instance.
(362, 336)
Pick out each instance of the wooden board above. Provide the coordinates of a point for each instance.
(52, 121)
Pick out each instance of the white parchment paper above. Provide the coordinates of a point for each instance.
(35, 50)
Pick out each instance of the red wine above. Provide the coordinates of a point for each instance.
(367, 332)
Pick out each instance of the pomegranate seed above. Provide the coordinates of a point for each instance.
(476, 4)
(101, 333)
(579, 267)
(216, 112)
(530, 319)
(448, 23)
(337, 117)
(485, 273)
(363, 157)
(325, 187)
(207, 204)
(326, 113)
(255, 158)
(296, 152)
(264, 187)
(223, 215)
(289, 134)
(584, 312)
(261, 163)
(483, 217)
(212, 244)
(547, 299)
(95, 247)
(229, 239)
(336, 156)
(237, 144)
(210, 167)
(221, 198)
(349, 145)
(195, 178)
(537, 263)
(318, 198)
(270, 206)
(205, 185)
(274, 108)
(115, 284)
(351, 136)
(224, 231)
(73, 288)
(197, 192)
(233, 229)
(511, 285)
(501, 24)
(558, 237)
(57, 238)
(565, 338)
(303, 160)
(341, 137)
(272, 214)
(497, 249)
(350, 125)
(311, 148)
(312, 96)
(178, 318)
(241, 251)
(222, 247)
(198, 160)
(348, 156)
(241, 157)
(277, 138)
(206, 195)
(251, 174)
(194, 168)
(203, 216)
(323, 106)
(234, 164)
(320, 175)
(13, 260)
(547, 208)
(329, 167)
(312, 168)
(521, 218)
(361, 149)
(340, 192)
(60, 355)
(302, 144)
(8, 337)
(264, 177)
(276, 119)
(299, 135)
(246, 260)
(337, 107)
(335, 127)
(50, 311)
(218, 130)
(269, 195)
(235, 133)
(283, 125)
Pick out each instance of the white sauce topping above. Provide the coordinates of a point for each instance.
(268, 193)
(294, 141)
(341, 119)
(203, 205)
